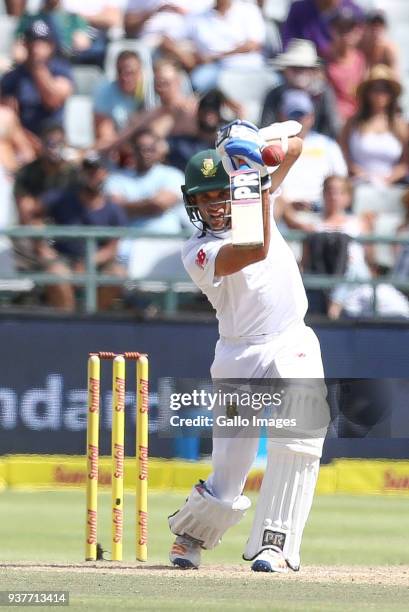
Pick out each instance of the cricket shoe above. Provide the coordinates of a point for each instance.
(270, 560)
(185, 553)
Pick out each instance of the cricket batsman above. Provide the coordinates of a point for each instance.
(260, 305)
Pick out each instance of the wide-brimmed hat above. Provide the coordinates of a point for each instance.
(380, 73)
(299, 54)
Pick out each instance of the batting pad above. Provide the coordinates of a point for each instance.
(205, 518)
(284, 502)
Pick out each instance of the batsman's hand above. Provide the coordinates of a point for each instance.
(239, 143)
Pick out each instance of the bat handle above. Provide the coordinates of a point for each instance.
(242, 164)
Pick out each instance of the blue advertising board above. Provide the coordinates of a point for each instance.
(43, 376)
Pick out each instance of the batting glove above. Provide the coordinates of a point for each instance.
(239, 143)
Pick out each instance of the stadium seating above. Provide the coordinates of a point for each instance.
(155, 267)
(78, 121)
(157, 260)
(9, 284)
(86, 79)
(33, 6)
(7, 28)
(248, 88)
(276, 9)
(368, 198)
(386, 224)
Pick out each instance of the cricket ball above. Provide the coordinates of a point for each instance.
(272, 155)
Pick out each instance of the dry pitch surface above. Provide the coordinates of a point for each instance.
(380, 575)
(226, 588)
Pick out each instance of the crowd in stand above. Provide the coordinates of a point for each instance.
(181, 70)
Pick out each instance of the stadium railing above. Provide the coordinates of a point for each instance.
(170, 286)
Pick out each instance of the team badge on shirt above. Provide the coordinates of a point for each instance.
(201, 259)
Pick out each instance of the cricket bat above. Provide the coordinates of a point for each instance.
(245, 190)
(246, 208)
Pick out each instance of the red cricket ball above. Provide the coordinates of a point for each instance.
(272, 155)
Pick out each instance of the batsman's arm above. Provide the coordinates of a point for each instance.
(295, 145)
(229, 259)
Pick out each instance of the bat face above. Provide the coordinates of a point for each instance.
(246, 209)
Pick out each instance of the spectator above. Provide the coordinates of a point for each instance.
(70, 31)
(176, 113)
(330, 249)
(38, 181)
(39, 87)
(310, 18)
(15, 148)
(208, 120)
(351, 300)
(301, 69)
(346, 64)
(101, 16)
(321, 156)
(375, 44)
(360, 302)
(230, 35)
(15, 7)
(375, 139)
(36, 184)
(150, 193)
(151, 20)
(84, 202)
(116, 102)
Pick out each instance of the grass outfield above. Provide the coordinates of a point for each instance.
(350, 547)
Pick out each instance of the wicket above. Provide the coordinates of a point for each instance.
(117, 452)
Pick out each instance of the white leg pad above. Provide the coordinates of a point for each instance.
(205, 518)
(285, 499)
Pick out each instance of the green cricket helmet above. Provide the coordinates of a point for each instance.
(204, 172)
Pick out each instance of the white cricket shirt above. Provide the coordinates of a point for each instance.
(263, 298)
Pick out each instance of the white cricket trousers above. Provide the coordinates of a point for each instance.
(294, 353)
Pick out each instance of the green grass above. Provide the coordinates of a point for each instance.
(104, 592)
(342, 530)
